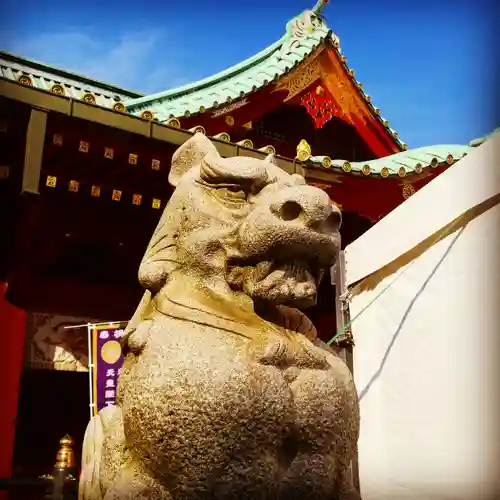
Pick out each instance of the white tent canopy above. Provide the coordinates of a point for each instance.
(425, 308)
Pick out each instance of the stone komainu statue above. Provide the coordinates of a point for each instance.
(225, 392)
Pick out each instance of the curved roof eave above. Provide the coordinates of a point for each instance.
(412, 161)
(303, 34)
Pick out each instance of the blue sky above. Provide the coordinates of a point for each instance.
(428, 65)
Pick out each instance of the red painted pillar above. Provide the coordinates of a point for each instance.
(12, 336)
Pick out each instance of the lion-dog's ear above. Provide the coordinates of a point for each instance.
(188, 155)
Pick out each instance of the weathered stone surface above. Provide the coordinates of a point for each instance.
(226, 393)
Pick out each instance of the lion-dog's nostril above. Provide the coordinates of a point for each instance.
(288, 211)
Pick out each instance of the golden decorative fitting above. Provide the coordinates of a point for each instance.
(404, 146)
(116, 195)
(173, 122)
(434, 162)
(73, 186)
(394, 134)
(95, 191)
(156, 203)
(326, 161)
(401, 171)
(359, 85)
(336, 44)
(57, 89)
(408, 190)
(223, 136)
(248, 125)
(202, 109)
(351, 72)
(229, 120)
(119, 107)
(346, 167)
(303, 151)
(198, 129)
(384, 172)
(269, 149)
(343, 59)
(155, 164)
(137, 199)
(83, 147)
(132, 159)
(418, 168)
(88, 98)
(51, 181)
(377, 111)
(246, 143)
(320, 90)
(65, 458)
(187, 114)
(57, 139)
(25, 80)
(215, 104)
(366, 170)
(109, 153)
(368, 98)
(147, 115)
(450, 159)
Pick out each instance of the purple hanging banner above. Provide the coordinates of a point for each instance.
(107, 358)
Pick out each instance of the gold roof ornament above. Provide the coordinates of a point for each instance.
(303, 151)
(65, 458)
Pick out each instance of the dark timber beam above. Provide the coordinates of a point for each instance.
(35, 140)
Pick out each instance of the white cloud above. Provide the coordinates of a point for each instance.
(135, 60)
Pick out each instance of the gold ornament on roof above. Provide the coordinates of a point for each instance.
(147, 115)
(57, 89)
(223, 136)
(119, 107)
(401, 171)
(303, 151)
(320, 90)
(326, 161)
(173, 122)
(269, 149)
(246, 143)
(229, 120)
(418, 168)
(346, 167)
(408, 190)
(25, 80)
(450, 159)
(198, 129)
(366, 170)
(88, 98)
(434, 162)
(384, 172)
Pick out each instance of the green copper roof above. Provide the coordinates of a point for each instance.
(303, 34)
(45, 77)
(401, 164)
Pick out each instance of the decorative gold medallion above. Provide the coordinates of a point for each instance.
(303, 151)
(137, 199)
(326, 161)
(401, 171)
(51, 181)
(57, 89)
(25, 80)
(418, 168)
(155, 164)
(147, 115)
(119, 107)
(116, 195)
(73, 186)
(173, 122)
(434, 162)
(95, 191)
(246, 143)
(132, 159)
(83, 147)
(223, 136)
(408, 190)
(109, 153)
(450, 159)
(384, 172)
(229, 120)
(346, 167)
(366, 170)
(88, 98)
(156, 203)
